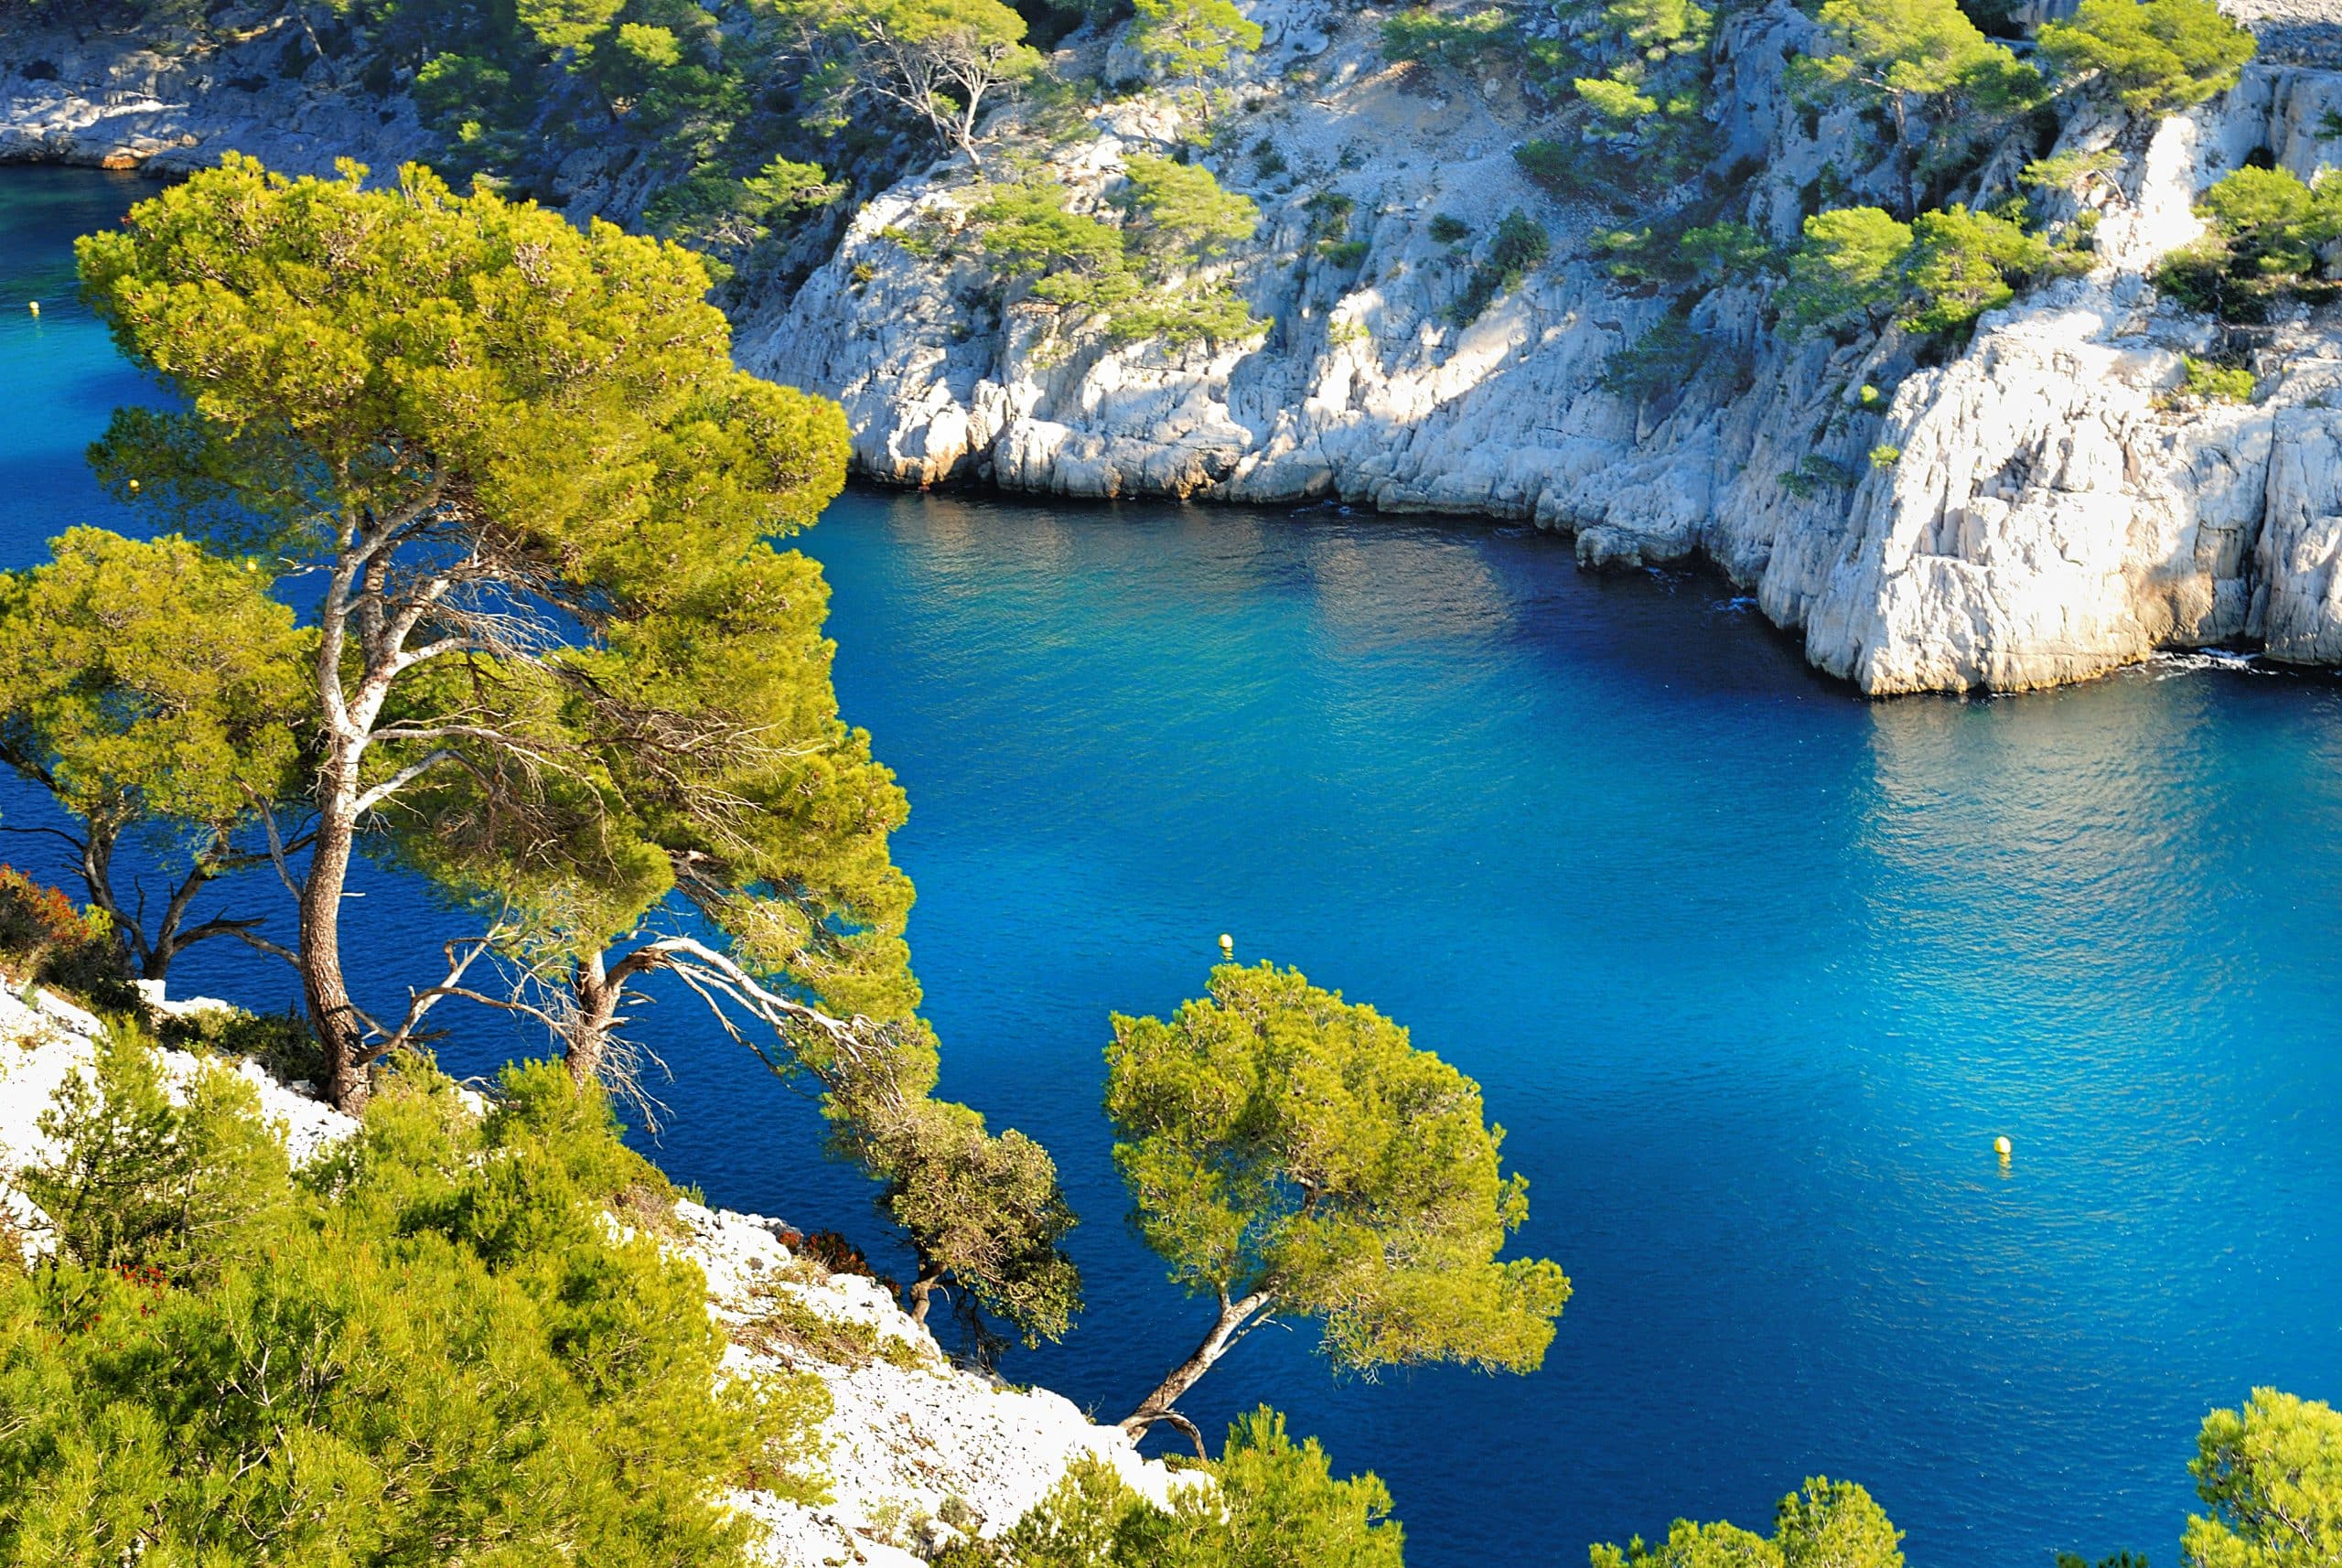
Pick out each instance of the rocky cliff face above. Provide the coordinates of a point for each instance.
(2054, 513)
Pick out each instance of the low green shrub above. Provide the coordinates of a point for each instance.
(427, 1347)
(1814, 475)
(281, 1042)
(47, 940)
(1518, 248)
(2208, 381)
(1422, 34)
(1274, 1504)
(1447, 230)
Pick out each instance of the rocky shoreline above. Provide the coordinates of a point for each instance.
(913, 1442)
(2054, 513)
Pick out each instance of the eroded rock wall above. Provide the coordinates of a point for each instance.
(2055, 512)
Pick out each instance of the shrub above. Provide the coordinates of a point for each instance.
(1422, 34)
(281, 1042)
(1724, 252)
(45, 939)
(1572, 168)
(1886, 457)
(1664, 360)
(2210, 382)
(1518, 248)
(1275, 1502)
(1848, 267)
(428, 1348)
(1179, 209)
(2157, 56)
(1344, 254)
(1962, 264)
(1448, 229)
(1814, 474)
(1825, 1524)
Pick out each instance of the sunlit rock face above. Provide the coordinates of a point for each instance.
(2054, 513)
(2041, 507)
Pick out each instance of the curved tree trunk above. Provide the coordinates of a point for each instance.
(922, 1289)
(1229, 1327)
(323, 989)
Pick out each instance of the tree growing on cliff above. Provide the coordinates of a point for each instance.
(2271, 1475)
(154, 690)
(938, 60)
(1825, 1524)
(711, 816)
(1927, 63)
(2157, 56)
(1191, 41)
(492, 436)
(1291, 1154)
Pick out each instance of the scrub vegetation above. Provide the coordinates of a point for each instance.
(465, 549)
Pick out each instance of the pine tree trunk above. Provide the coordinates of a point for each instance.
(922, 1291)
(323, 988)
(596, 996)
(1158, 1405)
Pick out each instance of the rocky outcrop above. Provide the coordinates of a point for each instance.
(162, 104)
(2055, 512)
(917, 1450)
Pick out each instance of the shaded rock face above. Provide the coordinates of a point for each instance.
(2055, 513)
(109, 102)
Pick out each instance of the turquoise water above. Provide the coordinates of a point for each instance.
(1753, 972)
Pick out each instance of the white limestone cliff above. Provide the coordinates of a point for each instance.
(2055, 513)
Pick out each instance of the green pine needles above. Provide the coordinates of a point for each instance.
(1293, 1155)
(430, 1348)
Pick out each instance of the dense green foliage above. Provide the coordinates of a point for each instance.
(152, 689)
(1190, 41)
(2269, 229)
(2271, 1475)
(2158, 55)
(430, 1349)
(1144, 278)
(1517, 248)
(1271, 1503)
(1825, 1524)
(1289, 1154)
(387, 388)
(1938, 273)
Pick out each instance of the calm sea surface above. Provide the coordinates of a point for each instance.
(1752, 971)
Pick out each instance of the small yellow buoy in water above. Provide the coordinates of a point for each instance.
(34, 305)
(2002, 1147)
(134, 483)
(1227, 944)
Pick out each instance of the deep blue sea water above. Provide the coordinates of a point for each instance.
(1752, 971)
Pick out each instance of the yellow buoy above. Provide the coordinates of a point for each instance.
(2002, 1147)
(34, 305)
(1227, 943)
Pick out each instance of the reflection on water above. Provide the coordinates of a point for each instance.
(1752, 972)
